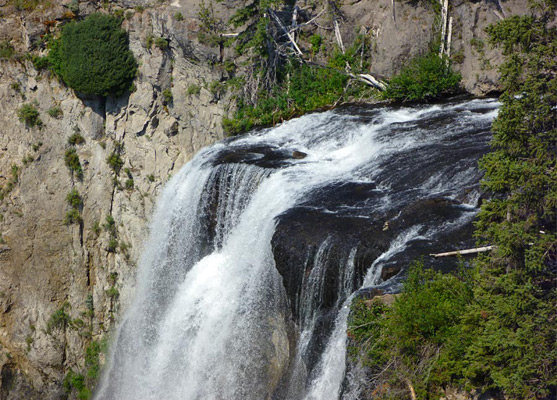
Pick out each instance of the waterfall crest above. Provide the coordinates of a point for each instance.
(258, 244)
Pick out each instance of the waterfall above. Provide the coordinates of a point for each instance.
(259, 243)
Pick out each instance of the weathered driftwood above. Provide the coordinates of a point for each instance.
(229, 34)
(371, 80)
(463, 252)
(444, 16)
(338, 36)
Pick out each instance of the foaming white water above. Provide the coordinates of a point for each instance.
(210, 318)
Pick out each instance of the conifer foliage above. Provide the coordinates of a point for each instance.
(504, 336)
(93, 57)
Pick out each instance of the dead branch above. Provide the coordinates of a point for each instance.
(281, 25)
(463, 252)
(309, 22)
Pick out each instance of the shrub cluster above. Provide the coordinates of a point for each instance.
(93, 57)
(424, 78)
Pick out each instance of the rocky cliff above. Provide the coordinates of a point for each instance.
(64, 282)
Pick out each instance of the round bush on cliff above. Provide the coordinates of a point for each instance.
(93, 57)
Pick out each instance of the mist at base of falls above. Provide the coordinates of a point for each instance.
(259, 243)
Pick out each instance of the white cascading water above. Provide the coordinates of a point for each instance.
(211, 318)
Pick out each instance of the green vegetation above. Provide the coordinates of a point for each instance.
(84, 384)
(161, 43)
(193, 90)
(71, 158)
(55, 112)
(167, 96)
(73, 216)
(29, 115)
(112, 293)
(424, 78)
(74, 199)
(6, 50)
(178, 16)
(110, 227)
(92, 56)
(316, 41)
(307, 89)
(114, 160)
(77, 381)
(493, 328)
(76, 139)
(59, 319)
(418, 336)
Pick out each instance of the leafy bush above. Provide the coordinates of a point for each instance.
(424, 78)
(29, 114)
(92, 56)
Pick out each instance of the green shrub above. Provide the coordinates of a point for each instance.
(6, 50)
(74, 199)
(29, 115)
(315, 41)
(115, 162)
(178, 16)
(92, 56)
(424, 78)
(92, 364)
(129, 184)
(418, 338)
(112, 246)
(71, 158)
(308, 89)
(110, 225)
(193, 90)
(167, 96)
(112, 293)
(72, 217)
(77, 382)
(59, 319)
(76, 139)
(39, 62)
(55, 112)
(161, 43)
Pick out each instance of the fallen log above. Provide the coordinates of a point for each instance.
(370, 80)
(463, 252)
